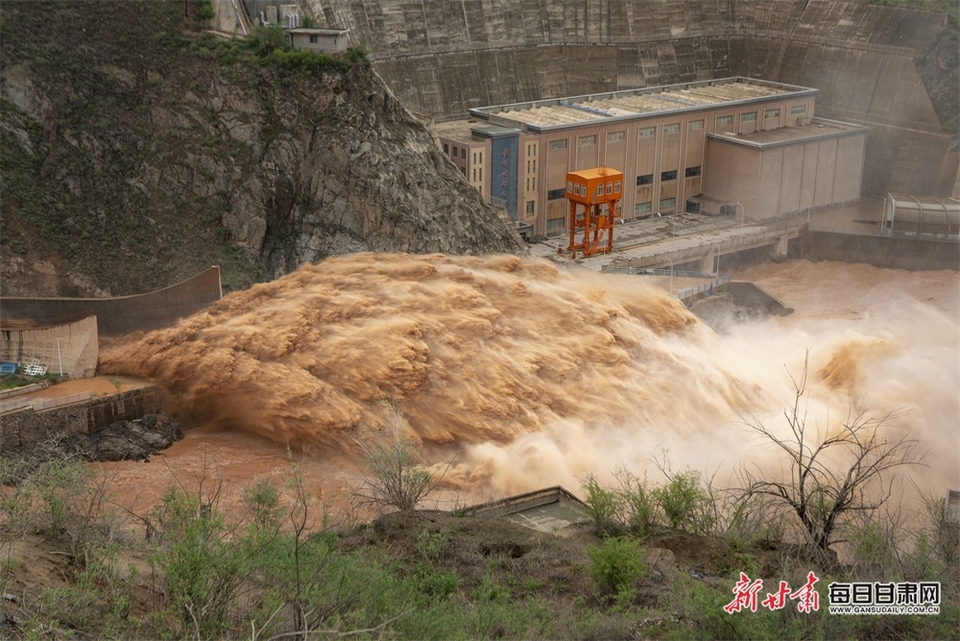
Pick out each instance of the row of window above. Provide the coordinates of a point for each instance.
(616, 136)
(647, 179)
(580, 189)
(462, 152)
(666, 204)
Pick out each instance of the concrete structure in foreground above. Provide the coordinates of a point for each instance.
(713, 147)
(71, 350)
(553, 510)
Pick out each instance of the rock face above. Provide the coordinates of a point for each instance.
(120, 441)
(134, 156)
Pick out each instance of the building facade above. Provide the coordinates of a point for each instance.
(706, 146)
(318, 40)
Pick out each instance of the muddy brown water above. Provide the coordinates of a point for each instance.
(537, 375)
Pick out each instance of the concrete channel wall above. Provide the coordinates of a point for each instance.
(121, 315)
(27, 426)
(882, 251)
(442, 57)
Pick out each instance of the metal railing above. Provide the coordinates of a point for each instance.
(687, 292)
(744, 241)
(714, 280)
(886, 233)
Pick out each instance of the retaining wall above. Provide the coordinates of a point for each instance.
(881, 251)
(74, 347)
(27, 426)
(120, 315)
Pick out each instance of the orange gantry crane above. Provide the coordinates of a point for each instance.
(598, 191)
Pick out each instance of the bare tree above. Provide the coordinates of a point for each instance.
(831, 477)
(396, 478)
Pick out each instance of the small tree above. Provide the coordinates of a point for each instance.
(396, 478)
(826, 493)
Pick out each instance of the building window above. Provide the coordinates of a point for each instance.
(671, 129)
(313, 39)
(668, 203)
(693, 125)
(446, 149)
(463, 153)
(616, 187)
(798, 109)
(554, 223)
(474, 174)
(724, 120)
(748, 117)
(645, 180)
(558, 144)
(454, 151)
(600, 189)
(641, 208)
(690, 172)
(569, 187)
(555, 194)
(586, 141)
(771, 113)
(615, 136)
(530, 207)
(463, 170)
(668, 175)
(647, 131)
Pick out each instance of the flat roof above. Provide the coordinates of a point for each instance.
(574, 111)
(597, 172)
(818, 128)
(313, 31)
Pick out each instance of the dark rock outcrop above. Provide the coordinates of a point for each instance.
(121, 441)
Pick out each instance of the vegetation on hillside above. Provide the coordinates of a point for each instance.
(72, 159)
(659, 560)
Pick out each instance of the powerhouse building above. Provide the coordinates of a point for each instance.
(736, 146)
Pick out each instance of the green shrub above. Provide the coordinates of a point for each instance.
(616, 566)
(603, 505)
(358, 55)
(639, 501)
(682, 500)
(205, 11)
(201, 569)
(263, 502)
(266, 40)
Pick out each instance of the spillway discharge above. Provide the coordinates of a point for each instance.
(542, 374)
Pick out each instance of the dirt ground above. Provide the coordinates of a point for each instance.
(98, 385)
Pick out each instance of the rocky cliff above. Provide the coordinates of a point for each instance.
(134, 153)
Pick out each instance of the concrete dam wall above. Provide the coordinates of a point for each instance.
(117, 316)
(441, 57)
